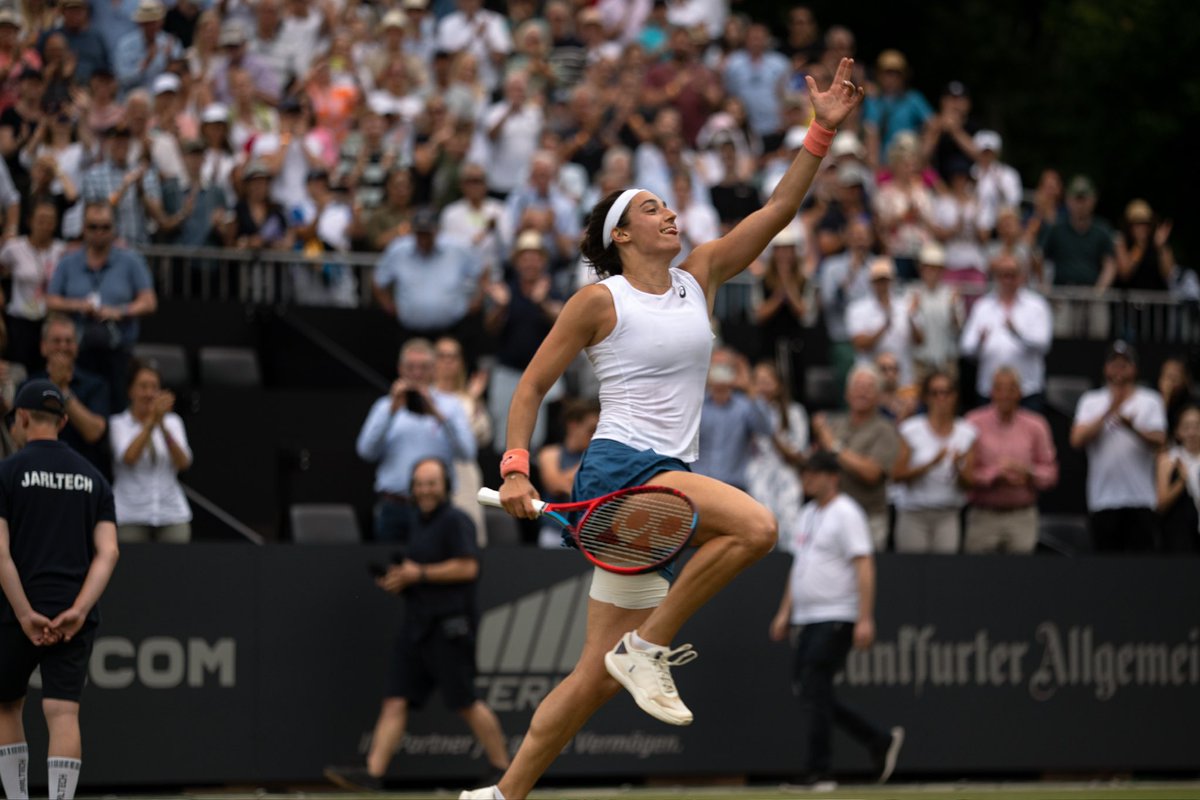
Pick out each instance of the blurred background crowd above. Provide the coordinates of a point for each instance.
(464, 142)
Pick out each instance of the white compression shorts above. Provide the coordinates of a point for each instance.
(628, 591)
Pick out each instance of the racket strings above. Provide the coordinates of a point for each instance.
(637, 529)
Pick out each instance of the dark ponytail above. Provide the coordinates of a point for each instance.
(606, 261)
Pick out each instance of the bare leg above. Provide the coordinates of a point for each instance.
(570, 704)
(486, 728)
(12, 729)
(62, 718)
(389, 730)
(735, 531)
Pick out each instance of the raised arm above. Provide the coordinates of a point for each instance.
(718, 261)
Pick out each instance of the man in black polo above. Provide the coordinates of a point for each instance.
(58, 548)
(436, 644)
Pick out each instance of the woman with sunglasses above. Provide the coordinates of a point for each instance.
(929, 471)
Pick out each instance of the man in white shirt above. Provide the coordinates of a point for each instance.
(475, 220)
(1122, 426)
(879, 322)
(512, 128)
(1010, 326)
(997, 185)
(829, 602)
(481, 32)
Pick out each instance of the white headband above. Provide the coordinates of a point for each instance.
(615, 211)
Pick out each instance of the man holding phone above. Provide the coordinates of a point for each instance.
(412, 422)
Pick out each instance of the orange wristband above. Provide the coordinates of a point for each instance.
(818, 138)
(515, 461)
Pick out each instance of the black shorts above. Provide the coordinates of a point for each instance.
(444, 657)
(64, 665)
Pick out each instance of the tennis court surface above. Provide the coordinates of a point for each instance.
(940, 791)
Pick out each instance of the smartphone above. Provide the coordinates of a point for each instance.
(414, 401)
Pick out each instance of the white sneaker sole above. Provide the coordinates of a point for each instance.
(639, 697)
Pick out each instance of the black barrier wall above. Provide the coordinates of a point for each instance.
(228, 663)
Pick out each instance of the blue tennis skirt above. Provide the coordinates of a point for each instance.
(609, 466)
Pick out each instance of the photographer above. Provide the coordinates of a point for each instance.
(411, 423)
(435, 646)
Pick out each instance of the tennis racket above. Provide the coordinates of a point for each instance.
(628, 532)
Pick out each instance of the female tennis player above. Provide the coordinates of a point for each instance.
(645, 328)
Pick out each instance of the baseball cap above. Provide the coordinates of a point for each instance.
(394, 19)
(232, 34)
(847, 143)
(956, 89)
(932, 254)
(529, 240)
(1081, 186)
(821, 461)
(988, 140)
(721, 373)
(41, 395)
(425, 220)
(166, 82)
(794, 138)
(882, 270)
(149, 11)
(1121, 349)
(9, 17)
(1139, 211)
(892, 59)
(214, 112)
(414, 5)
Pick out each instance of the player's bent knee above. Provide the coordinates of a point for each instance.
(761, 532)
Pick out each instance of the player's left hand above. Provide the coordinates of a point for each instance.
(68, 623)
(831, 107)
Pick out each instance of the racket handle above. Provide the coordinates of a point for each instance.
(490, 497)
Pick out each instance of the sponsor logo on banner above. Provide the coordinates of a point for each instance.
(1053, 658)
(160, 662)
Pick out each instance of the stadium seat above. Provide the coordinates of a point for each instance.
(1063, 392)
(1064, 534)
(229, 366)
(502, 529)
(324, 523)
(169, 359)
(819, 390)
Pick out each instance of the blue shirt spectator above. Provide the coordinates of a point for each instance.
(895, 108)
(756, 76)
(85, 42)
(729, 421)
(116, 284)
(141, 56)
(429, 282)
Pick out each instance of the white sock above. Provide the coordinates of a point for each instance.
(14, 770)
(642, 644)
(64, 776)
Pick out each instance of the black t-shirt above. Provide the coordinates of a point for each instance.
(445, 534)
(52, 499)
(22, 127)
(734, 201)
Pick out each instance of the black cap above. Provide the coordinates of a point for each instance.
(822, 461)
(291, 105)
(41, 395)
(31, 74)
(425, 220)
(1121, 349)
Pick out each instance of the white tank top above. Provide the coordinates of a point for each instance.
(652, 368)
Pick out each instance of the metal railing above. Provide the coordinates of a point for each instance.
(288, 277)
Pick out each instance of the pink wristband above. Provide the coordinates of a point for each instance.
(818, 138)
(515, 461)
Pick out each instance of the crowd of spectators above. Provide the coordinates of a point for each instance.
(465, 145)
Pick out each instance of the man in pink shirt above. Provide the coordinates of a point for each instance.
(1013, 459)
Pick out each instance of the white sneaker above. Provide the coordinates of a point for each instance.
(891, 754)
(647, 676)
(488, 793)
